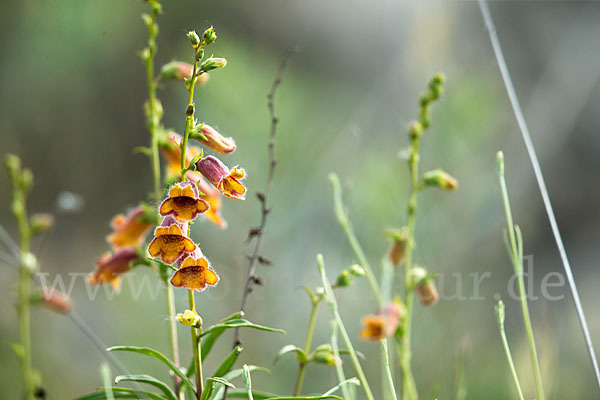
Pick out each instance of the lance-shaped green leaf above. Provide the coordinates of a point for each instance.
(330, 396)
(163, 387)
(228, 362)
(230, 376)
(243, 394)
(247, 381)
(120, 393)
(353, 381)
(209, 339)
(240, 323)
(289, 349)
(153, 353)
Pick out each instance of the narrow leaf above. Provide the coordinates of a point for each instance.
(247, 381)
(240, 323)
(228, 362)
(209, 339)
(163, 387)
(153, 353)
(289, 349)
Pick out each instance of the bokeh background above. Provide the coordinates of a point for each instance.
(72, 90)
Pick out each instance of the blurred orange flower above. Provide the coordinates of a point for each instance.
(172, 154)
(111, 266)
(183, 203)
(130, 230)
(382, 324)
(195, 274)
(213, 197)
(169, 242)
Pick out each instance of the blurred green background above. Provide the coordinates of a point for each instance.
(71, 107)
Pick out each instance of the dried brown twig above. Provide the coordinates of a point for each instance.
(258, 232)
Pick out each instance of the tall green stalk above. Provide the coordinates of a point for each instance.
(153, 115)
(197, 349)
(516, 254)
(22, 181)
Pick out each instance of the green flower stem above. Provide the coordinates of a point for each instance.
(152, 109)
(435, 88)
(24, 294)
(344, 222)
(517, 261)
(347, 391)
(387, 279)
(388, 378)
(330, 299)
(309, 336)
(408, 382)
(511, 364)
(153, 127)
(189, 113)
(196, 342)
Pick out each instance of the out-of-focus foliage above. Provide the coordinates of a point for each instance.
(71, 106)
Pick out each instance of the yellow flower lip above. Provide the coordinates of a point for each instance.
(183, 203)
(226, 181)
(195, 274)
(169, 242)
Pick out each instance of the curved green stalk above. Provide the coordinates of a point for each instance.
(516, 252)
(330, 299)
(511, 364)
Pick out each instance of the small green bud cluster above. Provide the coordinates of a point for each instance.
(345, 278)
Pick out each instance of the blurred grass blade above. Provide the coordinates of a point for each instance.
(107, 381)
(163, 387)
(489, 23)
(153, 353)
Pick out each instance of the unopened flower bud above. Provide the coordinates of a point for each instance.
(12, 164)
(26, 180)
(194, 39)
(29, 262)
(57, 302)
(215, 141)
(189, 318)
(209, 36)
(441, 179)
(417, 274)
(213, 63)
(324, 355)
(181, 71)
(41, 223)
(357, 270)
(427, 292)
(415, 129)
(399, 239)
(344, 279)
